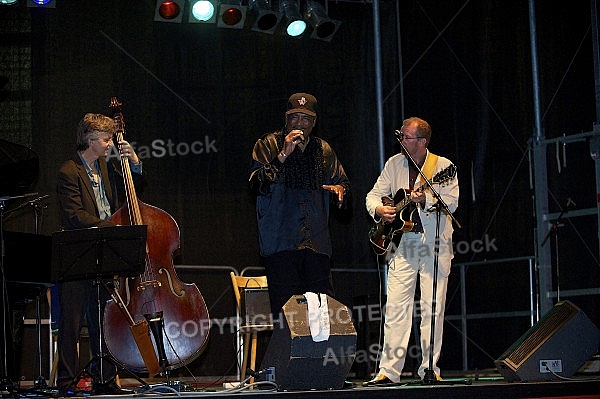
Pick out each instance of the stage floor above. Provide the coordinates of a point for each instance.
(456, 387)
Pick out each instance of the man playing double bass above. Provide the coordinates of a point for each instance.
(90, 189)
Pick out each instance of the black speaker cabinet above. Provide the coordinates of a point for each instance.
(256, 308)
(300, 363)
(558, 345)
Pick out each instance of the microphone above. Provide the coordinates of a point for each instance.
(399, 135)
(300, 138)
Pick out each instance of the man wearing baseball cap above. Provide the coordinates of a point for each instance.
(296, 177)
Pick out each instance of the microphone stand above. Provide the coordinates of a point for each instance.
(429, 378)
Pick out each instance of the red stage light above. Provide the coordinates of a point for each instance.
(232, 16)
(169, 10)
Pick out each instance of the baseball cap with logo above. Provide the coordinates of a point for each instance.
(302, 102)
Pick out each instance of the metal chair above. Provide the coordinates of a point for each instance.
(249, 331)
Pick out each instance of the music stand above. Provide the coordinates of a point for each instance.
(98, 252)
(94, 254)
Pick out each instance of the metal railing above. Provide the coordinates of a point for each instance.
(463, 316)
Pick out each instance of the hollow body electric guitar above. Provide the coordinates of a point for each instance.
(382, 234)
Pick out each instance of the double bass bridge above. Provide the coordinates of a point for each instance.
(148, 284)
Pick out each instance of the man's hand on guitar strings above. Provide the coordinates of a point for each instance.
(417, 196)
(386, 213)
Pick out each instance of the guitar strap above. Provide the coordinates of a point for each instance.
(428, 167)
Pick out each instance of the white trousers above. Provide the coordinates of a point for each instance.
(411, 259)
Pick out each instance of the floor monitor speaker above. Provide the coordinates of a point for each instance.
(296, 362)
(556, 347)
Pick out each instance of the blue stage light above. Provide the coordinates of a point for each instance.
(41, 3)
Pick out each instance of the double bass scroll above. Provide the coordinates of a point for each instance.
(176, 311)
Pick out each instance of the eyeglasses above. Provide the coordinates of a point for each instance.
(402, 136)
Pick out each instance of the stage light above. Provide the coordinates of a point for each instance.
(169, 11)
(203, 12)
(9, 2)
(265, 19)
(295, 25)
(323, 27)
(231, 16)
(41, 3)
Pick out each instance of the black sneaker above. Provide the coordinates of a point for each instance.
(348, 384)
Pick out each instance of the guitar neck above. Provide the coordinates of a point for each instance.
(404, 202)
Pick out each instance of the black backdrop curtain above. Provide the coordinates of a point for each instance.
(197, 88)
(196, 97)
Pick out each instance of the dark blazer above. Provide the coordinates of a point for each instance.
(77, 203)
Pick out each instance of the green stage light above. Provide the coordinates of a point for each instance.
(295, 25)
(203, 11)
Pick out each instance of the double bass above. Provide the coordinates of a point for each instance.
(175, 311)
